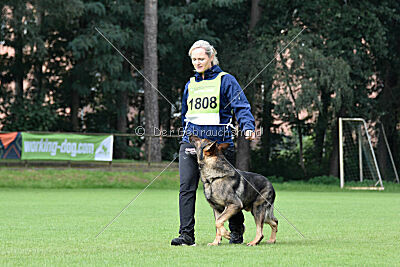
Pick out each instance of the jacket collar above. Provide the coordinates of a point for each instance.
(208, 74)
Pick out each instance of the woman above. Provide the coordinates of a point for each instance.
(207, 104)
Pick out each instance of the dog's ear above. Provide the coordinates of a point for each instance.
(210, 149)
(193, 139)
(223, 146)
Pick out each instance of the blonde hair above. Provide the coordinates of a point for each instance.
(210, 50)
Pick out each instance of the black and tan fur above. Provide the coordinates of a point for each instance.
(228, 191)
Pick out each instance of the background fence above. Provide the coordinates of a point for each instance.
(129, 151)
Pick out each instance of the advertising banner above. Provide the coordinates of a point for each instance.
(10, 145)
(67, 147)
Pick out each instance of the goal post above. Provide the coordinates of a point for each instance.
(357, 159)
(390, 154)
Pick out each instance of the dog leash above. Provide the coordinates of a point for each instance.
(133, 200)
(280, 213)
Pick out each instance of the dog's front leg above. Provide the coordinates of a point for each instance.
(229, 211)
(217, 240)
(218, 236)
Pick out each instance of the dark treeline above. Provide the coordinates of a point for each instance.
(60, 74)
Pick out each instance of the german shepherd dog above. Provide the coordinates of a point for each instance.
(229, 190)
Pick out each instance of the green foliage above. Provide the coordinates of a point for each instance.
(170, 148)
(283, 162)
(36, 117)
(275, 179)
(345, 63)
(324, 180)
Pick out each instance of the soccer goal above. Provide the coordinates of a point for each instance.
(357, 160)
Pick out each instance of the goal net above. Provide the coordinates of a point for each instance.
(359, 166)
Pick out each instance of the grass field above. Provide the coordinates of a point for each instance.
(57, 227)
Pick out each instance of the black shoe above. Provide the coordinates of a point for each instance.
(183, 240)
(237, 237)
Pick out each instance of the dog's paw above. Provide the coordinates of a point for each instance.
(253, 243)
(213, 244)
(227, 235)
(271, 241)
(256, 241)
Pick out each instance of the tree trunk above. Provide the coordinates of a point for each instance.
(334, 156)
(242, 153)
(243, 146)
(389, 121)
(382, 155)
(74, 110)
(266, 122)
(255, 13)
(320, 131)
(320, 128)
(150, 72)
(18, 66)
(301, 150)
(38, 73)
(122, 123)
(19, 74)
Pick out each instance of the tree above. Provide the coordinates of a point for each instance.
(30, 72)
(243, 145)
(312, 88)
(150, 72)
(179, 24)
(104, 81)
(346, 31)
(388, 111)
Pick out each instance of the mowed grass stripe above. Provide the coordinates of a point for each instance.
(57, 227)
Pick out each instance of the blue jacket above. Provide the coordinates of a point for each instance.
(230, 88)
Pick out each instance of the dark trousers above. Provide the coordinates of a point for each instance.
(189, 181)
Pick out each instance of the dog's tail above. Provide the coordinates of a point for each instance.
(272, 221)
(269, 215)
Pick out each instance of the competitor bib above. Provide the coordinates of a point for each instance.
(203, 101)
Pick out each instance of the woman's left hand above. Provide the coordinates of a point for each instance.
(250, 135)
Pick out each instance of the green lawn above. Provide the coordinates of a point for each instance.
(57, 227)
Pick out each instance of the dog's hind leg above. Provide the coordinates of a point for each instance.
(228, 212)
(259, 217)
(273, 222)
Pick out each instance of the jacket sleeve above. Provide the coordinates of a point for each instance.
(184, 104)
(237, 102)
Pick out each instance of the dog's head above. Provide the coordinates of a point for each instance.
(206, 149)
